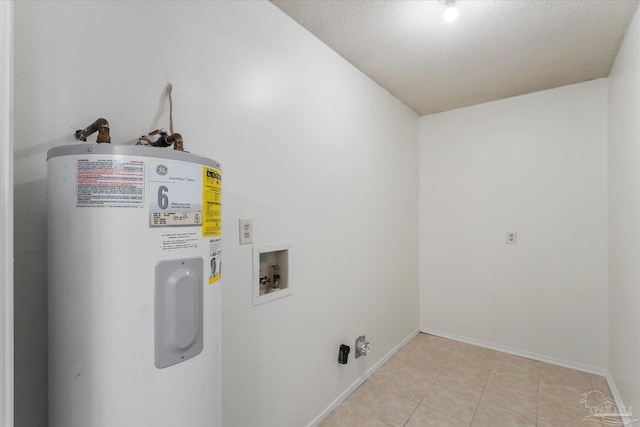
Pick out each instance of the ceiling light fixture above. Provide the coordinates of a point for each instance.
(451, 11)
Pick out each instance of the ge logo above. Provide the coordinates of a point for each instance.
(162, 170)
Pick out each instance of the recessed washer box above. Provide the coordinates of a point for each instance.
(271, 272)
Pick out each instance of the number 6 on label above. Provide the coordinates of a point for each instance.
(163, 199)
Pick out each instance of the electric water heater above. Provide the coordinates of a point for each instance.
(134, 251)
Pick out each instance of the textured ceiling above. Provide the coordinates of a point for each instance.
(496, 49)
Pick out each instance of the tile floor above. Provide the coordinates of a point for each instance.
(437, 382)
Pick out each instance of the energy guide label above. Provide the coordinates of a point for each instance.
(175, 194)
(211, 202)
(110, 182)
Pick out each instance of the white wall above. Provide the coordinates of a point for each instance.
(624, 218)
(311, 149)
(6, 213)
(534, 164)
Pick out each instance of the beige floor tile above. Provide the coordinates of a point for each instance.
(529, 377)
(470, 349)
(517, 367)
(425, 364)
(434, 381)
(432, 342)
(471, 362)
(567, 422)
(598, 399)
(429, 357)
(382, 404)
(528, 386)
(512, 395)
(426, 352)
(423, 369)
(565, 377)
(457, 404)
(518, 360)
(566, 395)
(350, 416)
(561, 410)
(403, 381)
(416, 343)
(418, 340)
(600, 383)
(543, 423)
(427, 417)
(461, 381)
(402, 353)
(393, 364)
(494, 416)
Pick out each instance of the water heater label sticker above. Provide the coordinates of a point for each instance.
(169, 219)
(174, 194)
(215, 259)
(110, 183)
(211, 202)
(175, 241)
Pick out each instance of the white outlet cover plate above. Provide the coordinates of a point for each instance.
(246, 231)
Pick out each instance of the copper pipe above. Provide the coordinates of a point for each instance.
(101, 126)
(178, 143)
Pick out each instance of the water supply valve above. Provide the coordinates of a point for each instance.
(101, 126)
(363, 348)
(276, 276)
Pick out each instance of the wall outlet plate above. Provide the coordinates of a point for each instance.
(246, 231)
(512, 237)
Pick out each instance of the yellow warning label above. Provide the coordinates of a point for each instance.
(211, 202)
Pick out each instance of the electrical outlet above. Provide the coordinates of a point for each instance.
(512, 238)
(246, 231)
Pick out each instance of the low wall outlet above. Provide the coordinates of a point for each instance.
(246, 231)
(512, 238)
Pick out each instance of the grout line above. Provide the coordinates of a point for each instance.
(413, 412)
(475, 411)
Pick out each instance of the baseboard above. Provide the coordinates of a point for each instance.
(358, 382)
(516, 352)
(616, 397)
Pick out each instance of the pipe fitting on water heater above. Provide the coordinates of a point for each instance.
(363, 348)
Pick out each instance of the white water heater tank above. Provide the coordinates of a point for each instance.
(134, 250)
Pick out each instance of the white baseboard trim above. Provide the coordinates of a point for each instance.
(616, 397)
(358, 382)
(535, 356)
